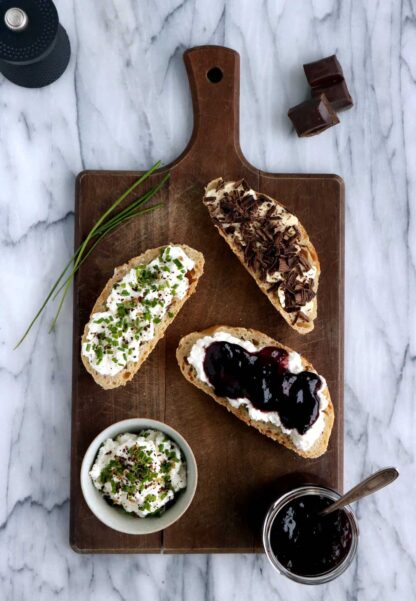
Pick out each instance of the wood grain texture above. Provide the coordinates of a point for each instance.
(240, 471)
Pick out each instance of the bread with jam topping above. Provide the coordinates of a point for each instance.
(271, 430)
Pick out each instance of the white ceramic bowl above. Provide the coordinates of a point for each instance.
(116, 518)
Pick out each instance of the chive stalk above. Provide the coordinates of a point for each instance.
(105, 224)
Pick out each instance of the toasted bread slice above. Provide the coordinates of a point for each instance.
(127, 373)
(248, 211)
(271, 430)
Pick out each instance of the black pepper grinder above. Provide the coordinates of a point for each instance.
(34, 47)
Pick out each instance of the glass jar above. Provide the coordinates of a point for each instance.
(279, 504)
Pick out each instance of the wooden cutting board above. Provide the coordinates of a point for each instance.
(240, 471)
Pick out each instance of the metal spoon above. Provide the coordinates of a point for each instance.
(371, 484)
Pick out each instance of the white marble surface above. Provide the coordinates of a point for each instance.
(124, 103)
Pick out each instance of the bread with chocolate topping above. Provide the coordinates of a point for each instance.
(272, 245)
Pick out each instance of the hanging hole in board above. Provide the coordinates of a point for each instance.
(215, 75)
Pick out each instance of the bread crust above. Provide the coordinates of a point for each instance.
(126, 374)
(270, 430)
(302, 327)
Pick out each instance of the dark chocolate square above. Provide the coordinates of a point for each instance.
(337, 94)
(313, 116)
(324, 72)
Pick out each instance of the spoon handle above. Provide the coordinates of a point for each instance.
(364, 488)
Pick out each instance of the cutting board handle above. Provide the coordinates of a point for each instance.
(214, 79)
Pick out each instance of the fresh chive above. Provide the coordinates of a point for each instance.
(101, 228)
(95, 229)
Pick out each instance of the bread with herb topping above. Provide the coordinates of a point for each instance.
(279, 262)
(274, 432)
(130, 369)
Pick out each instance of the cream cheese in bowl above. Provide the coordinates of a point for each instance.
(138, 476)
(142, 473)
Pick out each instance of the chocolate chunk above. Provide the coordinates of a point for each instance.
(313, 116)
(274, 286)
(248, 202)
(301, 316)
(291, 281)
(243, 184)
(303, 296)
(324, 72)
(249, 253)
(283, 265)
(304, 261)
(337, 94)
(270, 212)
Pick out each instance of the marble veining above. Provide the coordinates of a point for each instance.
(124, 103)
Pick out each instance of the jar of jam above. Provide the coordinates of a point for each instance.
(302, 544)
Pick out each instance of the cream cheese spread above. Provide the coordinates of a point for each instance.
(141, 472)
(304, 441)
(135, 305)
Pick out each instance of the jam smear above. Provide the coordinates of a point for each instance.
(264, 379)
(306, 543)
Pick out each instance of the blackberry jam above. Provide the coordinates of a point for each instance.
(307, 543)
(264, 379)
(305, 546)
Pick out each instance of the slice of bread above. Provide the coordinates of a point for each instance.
(126, 374)
(272, 431)
(297, 319)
